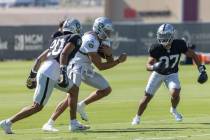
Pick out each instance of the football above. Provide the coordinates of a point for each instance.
(100, 51)
(104, 44)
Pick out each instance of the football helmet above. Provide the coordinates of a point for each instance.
(103, 27)
(72, 25)
(165, 35)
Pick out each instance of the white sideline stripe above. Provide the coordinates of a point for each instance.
(168, 138)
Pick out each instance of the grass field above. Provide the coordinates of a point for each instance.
(110, 118)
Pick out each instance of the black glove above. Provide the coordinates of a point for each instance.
(31, 80)
(159, 66)
(203, 77)
(63, 82)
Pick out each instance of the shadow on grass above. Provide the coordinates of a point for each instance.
(130, 130)
(181, 123)
(197, 123)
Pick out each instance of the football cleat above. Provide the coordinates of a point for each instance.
(136, 120)
(77, 126)
(178, 117)
(6, 127)
(81, 111)
(49, 128)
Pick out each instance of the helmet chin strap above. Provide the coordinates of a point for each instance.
(167, 46)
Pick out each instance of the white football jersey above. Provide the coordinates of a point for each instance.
(90, 43)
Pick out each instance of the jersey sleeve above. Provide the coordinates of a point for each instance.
(183, 47)
(90, 45)
(152, 51)
(75, 39)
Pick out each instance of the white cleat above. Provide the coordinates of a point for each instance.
(81, 111)
(49, 128)
(178, 117)
(136, 120)
(77, 126)
(6, 127)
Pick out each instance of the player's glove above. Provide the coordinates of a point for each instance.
(159, 66)
(31, 80)
(63, 82)
(203, 77)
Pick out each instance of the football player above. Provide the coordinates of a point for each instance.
(53, 71)
(163, 63)
(80, 68)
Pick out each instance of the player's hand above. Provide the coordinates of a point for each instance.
(31, 80)
(159, 66)
(122, 58)
(203, 77)
(63, 82)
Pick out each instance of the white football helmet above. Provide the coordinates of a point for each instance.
(103, 27)
(165, 35)
(72, 25)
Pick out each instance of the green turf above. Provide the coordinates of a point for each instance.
(110, 118)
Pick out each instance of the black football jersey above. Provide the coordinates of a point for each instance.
(59, 43)
(171, 57)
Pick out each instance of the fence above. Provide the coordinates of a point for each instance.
(27, 42)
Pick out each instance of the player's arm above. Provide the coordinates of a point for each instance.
(69, 47)
(41, 58)
(150, 63)
(192, 54)
(203, 77)
(31, 80)
(72, 42)
(96, 59)
(153, 65)
(109, 58)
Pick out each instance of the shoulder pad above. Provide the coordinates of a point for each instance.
(153, 47)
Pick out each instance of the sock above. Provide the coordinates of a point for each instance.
(74, 121)
(82, 103)
(137, 116)
(8, 122)
(173, 109)
(51, 122)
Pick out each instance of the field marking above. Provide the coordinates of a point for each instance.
(168, 138)
(144, 122)
(66, 126)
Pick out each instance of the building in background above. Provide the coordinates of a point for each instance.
(48, 12)
(155, 11)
